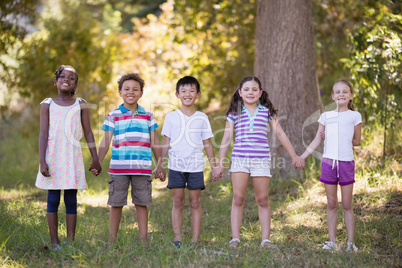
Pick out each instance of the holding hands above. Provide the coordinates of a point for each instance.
(217, 173)
(160, 173)
(298, 162)
(95, 167)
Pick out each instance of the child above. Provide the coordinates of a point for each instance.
(249, 114)
(133, 130)
(187, 132)
(61, 165)
(342, 132)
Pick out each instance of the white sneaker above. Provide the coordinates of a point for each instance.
(352, 247)
(329, 245)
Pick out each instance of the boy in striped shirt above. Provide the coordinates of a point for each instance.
(132, 131)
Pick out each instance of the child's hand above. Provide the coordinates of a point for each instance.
(322, 133)
(44, 169)
(214, 174)
(95, 172)
(160, 173)
(217, 173)
(298, 162)
(95, 168)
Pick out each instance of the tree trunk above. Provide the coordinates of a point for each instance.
(285, 63)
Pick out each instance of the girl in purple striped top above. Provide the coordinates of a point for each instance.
(250, 113)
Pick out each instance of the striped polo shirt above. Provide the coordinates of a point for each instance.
(131, 144)
(251, 139)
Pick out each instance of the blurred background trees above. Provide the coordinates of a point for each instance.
(212, 40)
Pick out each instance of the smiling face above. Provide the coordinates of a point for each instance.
(130, 92)
(341, 94)
(250, 92)
(66, 81)
(188, 94)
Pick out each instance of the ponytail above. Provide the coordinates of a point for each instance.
(265, 101)
(235, 104)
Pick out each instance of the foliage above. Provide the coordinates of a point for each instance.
(220, 35)
(375, 63)
(15, 17)
(335, 23)
(135, 9)
(69, 36)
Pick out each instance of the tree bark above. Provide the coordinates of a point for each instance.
(285, 63)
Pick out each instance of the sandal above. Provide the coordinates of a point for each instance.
(234, 243)
(194, 244)
(177, 243)
(266, 243)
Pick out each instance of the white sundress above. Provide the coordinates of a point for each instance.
(63, 152)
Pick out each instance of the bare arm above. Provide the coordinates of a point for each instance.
(155, 145)
(209, 150)
(283, 138)
(357, 135)
(225, 143)
(89, 136)
(315, 143)
(156, 149)
(164, 148)
(43, 137)
(104, 145)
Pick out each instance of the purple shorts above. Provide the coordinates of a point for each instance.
(340, 171)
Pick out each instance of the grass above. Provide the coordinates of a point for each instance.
(298, 227)
(298, 209)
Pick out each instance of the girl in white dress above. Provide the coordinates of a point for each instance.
(61, 164)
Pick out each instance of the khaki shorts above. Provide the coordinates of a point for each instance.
(141, 190)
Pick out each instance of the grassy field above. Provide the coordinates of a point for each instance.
(299, 226)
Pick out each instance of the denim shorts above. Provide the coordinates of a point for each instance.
(141, 190)
(193, 180)
(256, 167)
(335, 171)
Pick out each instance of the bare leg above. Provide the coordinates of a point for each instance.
(261, 187)
(177, 212)
(239, 182)
(53, 221)
(347, 198)
(142, 218)
(71, 222)
(114, 222)
(194, 197)
(332, 210)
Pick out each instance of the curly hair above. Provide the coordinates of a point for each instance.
(236, 101)
(60, 70)
(131, 76)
